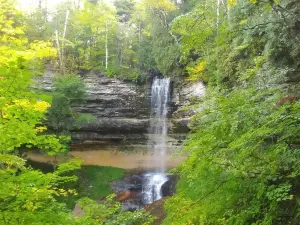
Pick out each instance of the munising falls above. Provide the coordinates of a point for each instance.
(149, 112)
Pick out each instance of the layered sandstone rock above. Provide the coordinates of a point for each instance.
(122, 109)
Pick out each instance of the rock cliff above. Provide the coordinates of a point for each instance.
(122, 109)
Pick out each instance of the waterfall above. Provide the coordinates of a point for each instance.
(158, 119)
(157, 138)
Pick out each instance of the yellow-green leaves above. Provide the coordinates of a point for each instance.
(26, 192)
(243, 161)
(69, 166)
(232, 3)
(108, 212)
(198, 72)
(13, 43)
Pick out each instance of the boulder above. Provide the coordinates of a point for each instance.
(169, 188)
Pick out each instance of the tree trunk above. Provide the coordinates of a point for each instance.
(40, 5)
(106, 44)
(58, 50)
(218, 13)
(63, 42)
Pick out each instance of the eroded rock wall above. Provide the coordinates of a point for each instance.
(184, 96)
(122, 109)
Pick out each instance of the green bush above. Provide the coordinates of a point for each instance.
(68, 91)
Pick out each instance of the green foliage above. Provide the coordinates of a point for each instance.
(28, 196)
(204, 38)
(158, 49)
(110, 212)
(165, 51)
(93, 182)
(244, 149)
(145, 55)
(124, 9)
(243, 162)
(37, 27)
(91, 33)
(128, 31)
(68, 91)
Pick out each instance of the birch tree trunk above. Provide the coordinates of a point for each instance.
(46, 11)
(106, 44)
(218, 13)
(63, 42)
(217, 32)
(140, 26)
(40, 5)
(58, 50)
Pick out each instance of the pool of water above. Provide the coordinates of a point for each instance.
(126, 160)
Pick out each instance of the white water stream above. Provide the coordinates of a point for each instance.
(160, 92)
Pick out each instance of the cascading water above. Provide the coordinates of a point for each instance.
(157, 138)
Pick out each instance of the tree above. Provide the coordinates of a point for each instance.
(68, 91)
(153, 21)
(95, 26)
(25, 190)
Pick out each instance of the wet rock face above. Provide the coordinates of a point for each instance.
(131, 183)
(169, 188)
(129, 190)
